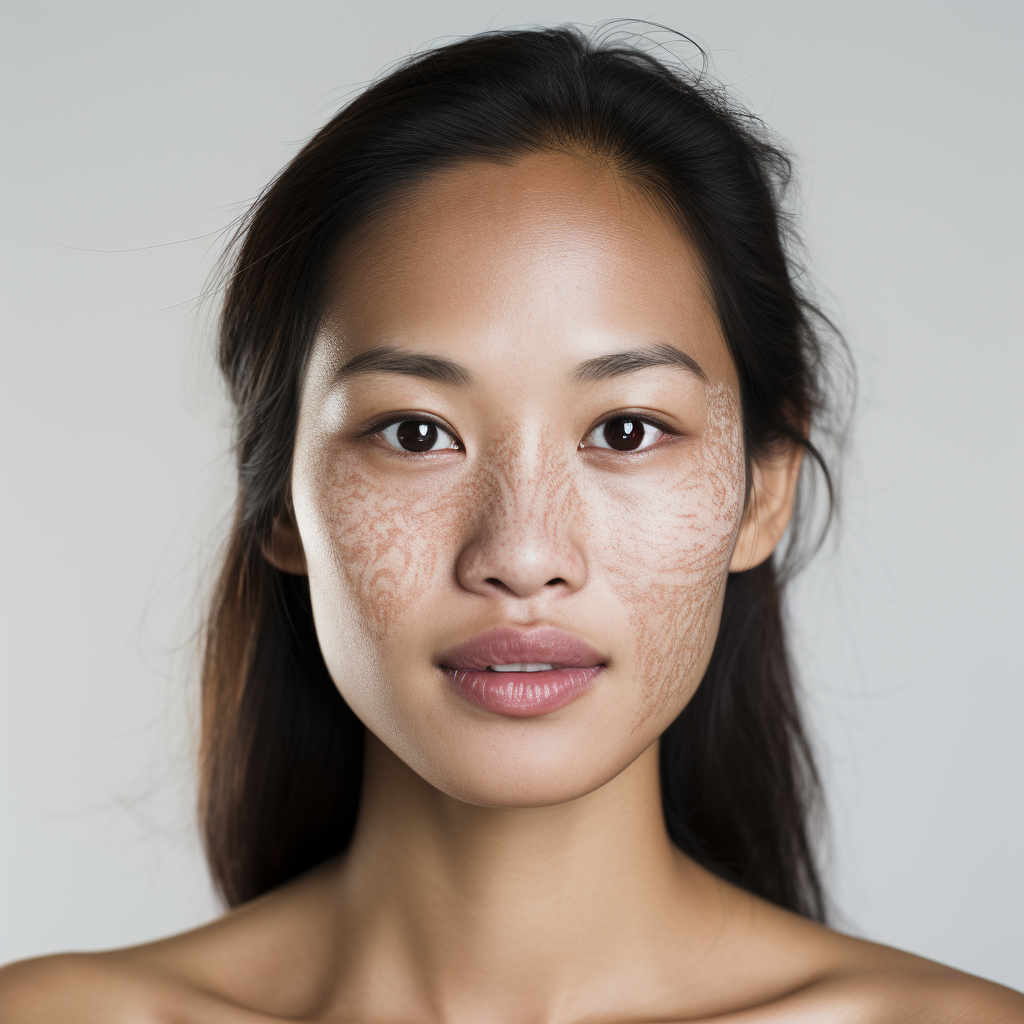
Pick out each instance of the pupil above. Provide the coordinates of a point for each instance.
(417, 435)
(624, 434)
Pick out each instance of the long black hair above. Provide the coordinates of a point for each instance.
(281, 751)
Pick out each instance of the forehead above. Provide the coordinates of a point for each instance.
(549, 254)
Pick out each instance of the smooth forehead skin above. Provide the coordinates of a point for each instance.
(518, 273)
(524, 255)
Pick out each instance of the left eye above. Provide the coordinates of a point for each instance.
(418, 436)
(624, 434)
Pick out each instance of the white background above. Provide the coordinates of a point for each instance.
(131, 126)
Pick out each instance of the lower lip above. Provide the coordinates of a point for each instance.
(522, 694)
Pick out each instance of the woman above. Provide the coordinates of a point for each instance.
(498, 718)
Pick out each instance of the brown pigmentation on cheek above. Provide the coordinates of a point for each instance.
(673, 580)
(398, 542)
(386, 538)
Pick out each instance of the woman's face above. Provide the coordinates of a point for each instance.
(519, 445)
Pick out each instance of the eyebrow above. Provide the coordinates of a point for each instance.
(387, 359)
(617, 363)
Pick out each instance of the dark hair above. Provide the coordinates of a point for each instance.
(281, 751)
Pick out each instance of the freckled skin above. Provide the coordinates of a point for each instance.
(519, 282)
(687, 566)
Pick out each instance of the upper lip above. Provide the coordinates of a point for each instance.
(505, 645)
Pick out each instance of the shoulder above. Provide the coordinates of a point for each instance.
(73, 988)
(105, 988)
(873, 984)
(255, 956)
(809, 972)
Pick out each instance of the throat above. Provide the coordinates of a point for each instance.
(513, 902)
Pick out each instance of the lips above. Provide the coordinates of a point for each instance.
(520, 694)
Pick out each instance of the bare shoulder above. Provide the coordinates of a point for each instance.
(888, 986)
(81, 988)
(807, 972)
(211, 973)
(117, 987)
(53, 988)
(868, 983)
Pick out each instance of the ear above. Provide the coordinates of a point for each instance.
(283, 548)
(772, 493)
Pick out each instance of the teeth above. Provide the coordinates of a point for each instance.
(523, 666)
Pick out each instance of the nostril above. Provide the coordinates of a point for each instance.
(502, 585)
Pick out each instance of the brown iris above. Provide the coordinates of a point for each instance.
(624, 433)
(417, 435)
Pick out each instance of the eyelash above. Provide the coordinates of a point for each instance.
(379, 428)
(645, 418)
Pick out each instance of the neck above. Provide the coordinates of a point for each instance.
(466, 908)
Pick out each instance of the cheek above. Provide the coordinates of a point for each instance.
(672, 575)
(381, 546)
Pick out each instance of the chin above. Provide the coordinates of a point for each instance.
(502, 782)
(500, 761)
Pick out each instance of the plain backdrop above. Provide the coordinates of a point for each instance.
(134, 133)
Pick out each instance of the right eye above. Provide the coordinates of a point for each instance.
(418, 436)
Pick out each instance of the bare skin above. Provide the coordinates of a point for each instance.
(508, 869)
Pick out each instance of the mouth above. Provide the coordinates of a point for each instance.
(522, 673)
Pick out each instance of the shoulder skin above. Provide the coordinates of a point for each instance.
(108, 988)
(101, 988)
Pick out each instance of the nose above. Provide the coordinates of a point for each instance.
(524, 539)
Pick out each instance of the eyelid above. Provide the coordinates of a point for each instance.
(380, 425)
(639, 414)
(400, 417)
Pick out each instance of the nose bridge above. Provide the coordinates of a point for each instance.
(528, 480)
(523, 537)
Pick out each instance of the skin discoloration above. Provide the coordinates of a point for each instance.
(675, 615)
(520, 274)
(515, 499)
(389, 546)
